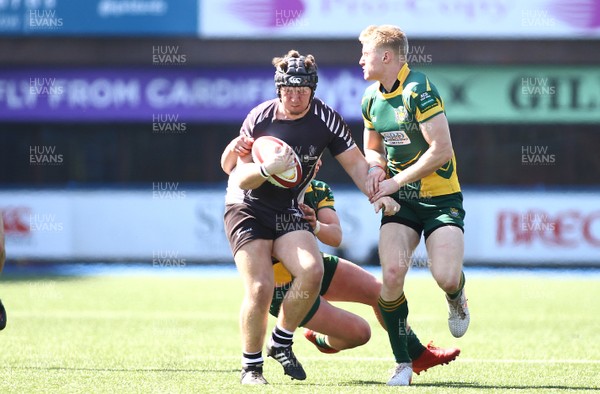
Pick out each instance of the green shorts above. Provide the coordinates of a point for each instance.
(329, 264)
(427, 215)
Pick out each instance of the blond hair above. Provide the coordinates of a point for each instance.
(387, 37)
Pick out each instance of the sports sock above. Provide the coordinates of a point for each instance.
(460, 287)
(413, 345)
(252, 359)
(321, 340)
(394, 314)
(281, 337)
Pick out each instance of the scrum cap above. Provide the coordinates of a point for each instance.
(297, 73)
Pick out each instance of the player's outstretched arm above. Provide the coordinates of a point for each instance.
(356, 166)
(375, 155)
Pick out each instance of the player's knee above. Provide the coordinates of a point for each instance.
(312, 276)
(364, 334)
(261, 291)
(448, 284)
(361, 333)
(393, 277)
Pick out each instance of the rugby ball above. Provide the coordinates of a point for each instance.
(265, 146)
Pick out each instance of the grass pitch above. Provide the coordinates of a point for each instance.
(179, 334)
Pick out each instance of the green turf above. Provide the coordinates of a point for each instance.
(180, 335)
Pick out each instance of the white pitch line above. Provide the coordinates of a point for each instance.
(459, 360)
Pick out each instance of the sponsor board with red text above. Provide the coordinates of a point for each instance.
(501, 227)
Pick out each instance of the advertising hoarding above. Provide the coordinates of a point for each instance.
(523, 94)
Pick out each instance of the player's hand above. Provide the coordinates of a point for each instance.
(389, 205)
(281, 161)
(386, 187)
(374, 177)
(309, 214)
(243, 145)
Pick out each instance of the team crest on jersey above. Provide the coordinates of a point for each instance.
(395, 138)
(454, 212)
(402, 115)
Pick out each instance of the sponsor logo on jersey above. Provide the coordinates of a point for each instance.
(395, 138)
(311, 156)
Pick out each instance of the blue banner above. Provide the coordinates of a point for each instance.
(164, 90)
(99, 17)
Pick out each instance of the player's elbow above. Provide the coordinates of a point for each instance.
(227, 169)
(246, 184)
(331, 236)
(444, 153)
(336, 241)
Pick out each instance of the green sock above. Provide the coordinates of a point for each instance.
(414, 346)
(320, 339)
(460, 287)
(394, 315)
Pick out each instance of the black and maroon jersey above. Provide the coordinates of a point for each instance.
(320, 128)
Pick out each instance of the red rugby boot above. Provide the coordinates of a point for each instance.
(433, 356)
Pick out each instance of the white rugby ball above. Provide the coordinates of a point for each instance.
(266, 146)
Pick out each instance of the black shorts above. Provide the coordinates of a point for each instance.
(244, 223)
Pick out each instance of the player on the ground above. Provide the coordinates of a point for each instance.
(407, 137)
(2, 260)
(255, 210)
(328, 327)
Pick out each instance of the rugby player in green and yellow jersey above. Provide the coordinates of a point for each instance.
(328, 327)
(407, 143)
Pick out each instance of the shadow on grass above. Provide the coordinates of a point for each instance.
(467, 385)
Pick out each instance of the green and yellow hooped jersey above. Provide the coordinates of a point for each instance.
(318, 195)
(396, 117)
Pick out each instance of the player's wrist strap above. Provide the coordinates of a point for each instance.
(263, 171)
(374, 166)
(317, 228)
